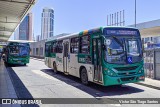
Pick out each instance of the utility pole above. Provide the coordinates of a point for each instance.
(135, 13)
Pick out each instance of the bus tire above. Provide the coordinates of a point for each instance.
(55, 68)
(84, 76)
(24, 64)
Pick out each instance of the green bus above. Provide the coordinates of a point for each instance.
(17, 53)
(1, 48)
(105, 55)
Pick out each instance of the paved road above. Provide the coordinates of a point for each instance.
(38, 81)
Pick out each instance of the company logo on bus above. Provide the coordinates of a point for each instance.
(127, 73)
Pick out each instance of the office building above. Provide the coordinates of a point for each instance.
(24, 31)
(47, 23)
(38, 38)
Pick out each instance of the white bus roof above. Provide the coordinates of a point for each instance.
(21, 41)
(84, 31)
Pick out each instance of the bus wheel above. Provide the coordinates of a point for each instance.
(84, 76)
(24, 64)
(55, 67)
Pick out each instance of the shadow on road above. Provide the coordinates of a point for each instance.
(21, 91)
(15, 65)
(93, 89)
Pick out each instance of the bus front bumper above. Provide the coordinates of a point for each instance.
(108, 80)
(18, 60)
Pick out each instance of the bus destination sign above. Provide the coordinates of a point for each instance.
(120, 32)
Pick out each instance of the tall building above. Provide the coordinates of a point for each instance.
(16, 34)
(38, 38)
(47, 23)
(24, 31)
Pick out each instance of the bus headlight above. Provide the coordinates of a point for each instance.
(111, 73)
(141, 71)
(10, 59)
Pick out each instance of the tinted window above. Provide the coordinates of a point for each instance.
(47, 49)
(85, 44)
(54, 45)
(74, 45)
(59, 47)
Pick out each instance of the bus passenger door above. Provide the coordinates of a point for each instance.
(65, 57)
(97, 76)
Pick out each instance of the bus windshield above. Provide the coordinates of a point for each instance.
(122, 50)
(23, 51)
(19, 50)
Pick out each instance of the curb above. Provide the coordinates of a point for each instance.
(147, 85)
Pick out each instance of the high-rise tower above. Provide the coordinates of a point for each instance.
(47, 23)
(24, 31)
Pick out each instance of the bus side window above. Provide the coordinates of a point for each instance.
(74, 45)
(53, 47)
(85, 44)
(47, 50)
(59, 47)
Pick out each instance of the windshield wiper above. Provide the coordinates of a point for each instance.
(121, 44)
(118, 41)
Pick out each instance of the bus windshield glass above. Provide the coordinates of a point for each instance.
(19, 50)
(23, 51)
(124, 49)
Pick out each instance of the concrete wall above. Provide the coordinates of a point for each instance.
(38, 49)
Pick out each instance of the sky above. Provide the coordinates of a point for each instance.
(72, 16)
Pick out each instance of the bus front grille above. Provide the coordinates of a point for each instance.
(127, 79)
(127, 73)
(126, 68)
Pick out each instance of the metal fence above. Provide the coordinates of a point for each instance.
(152, 63)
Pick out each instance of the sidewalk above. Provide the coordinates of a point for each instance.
(152, 83)
(6, 86)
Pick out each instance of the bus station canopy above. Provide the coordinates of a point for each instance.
(12, 13)
(149, 29)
